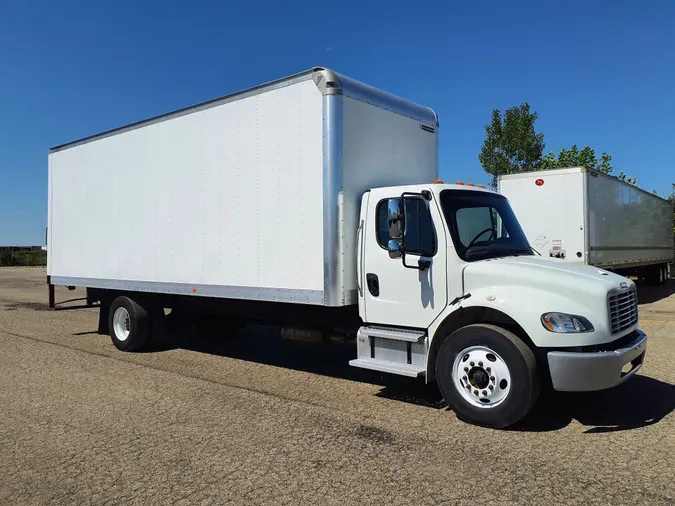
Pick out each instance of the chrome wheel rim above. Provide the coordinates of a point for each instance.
(481, 376)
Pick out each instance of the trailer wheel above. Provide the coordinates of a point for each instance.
(487, 375)
(655, 274)
(128, 324)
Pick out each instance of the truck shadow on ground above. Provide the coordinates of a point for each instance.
(640, 402)
(650, 293)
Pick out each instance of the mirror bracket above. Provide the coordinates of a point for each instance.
(396, 222)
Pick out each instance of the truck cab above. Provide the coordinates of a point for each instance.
(450, 289)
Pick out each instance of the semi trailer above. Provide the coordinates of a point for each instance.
(313, 203)
(586, 216)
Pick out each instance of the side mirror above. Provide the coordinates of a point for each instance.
(394, 248)
(395, 219)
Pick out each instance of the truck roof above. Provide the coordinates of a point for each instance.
(575, 170)
(328, 82)
(437, 188)
(538, 173)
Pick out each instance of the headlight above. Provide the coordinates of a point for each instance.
(565, 323)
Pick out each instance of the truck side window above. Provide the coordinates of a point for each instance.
(420, 237)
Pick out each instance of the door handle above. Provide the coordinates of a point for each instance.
(373, 284)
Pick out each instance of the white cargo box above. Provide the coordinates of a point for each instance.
(586, 216)
(251, 196)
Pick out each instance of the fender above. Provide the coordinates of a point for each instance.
(520, 308)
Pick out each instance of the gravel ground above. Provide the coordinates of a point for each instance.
(249, 419)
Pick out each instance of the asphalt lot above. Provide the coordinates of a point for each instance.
(251, 419)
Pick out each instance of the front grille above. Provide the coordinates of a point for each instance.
(623, 310)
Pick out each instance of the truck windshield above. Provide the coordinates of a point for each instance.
(483, 225)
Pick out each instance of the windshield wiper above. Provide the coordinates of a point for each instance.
(486, 252)
(494, 252)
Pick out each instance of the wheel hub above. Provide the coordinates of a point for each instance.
(479, 378)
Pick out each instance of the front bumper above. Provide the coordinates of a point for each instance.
(593, 370)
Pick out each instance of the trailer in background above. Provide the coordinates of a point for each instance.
(583, 215)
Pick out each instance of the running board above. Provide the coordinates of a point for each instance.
(411, 336)
(412, 371)
(391, 350)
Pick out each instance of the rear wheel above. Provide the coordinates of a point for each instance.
(655, 274)
(487, 375)
(128, 324)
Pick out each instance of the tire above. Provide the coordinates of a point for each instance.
(656, 275)
(463, 360)
(128, 324)
(664, 275)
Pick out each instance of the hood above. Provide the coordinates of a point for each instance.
(527, 287)
(547, 273)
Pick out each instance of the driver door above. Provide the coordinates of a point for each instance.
(393, 293)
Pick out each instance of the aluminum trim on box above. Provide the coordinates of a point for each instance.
(365, 93)
(220, 291)
(332, 186)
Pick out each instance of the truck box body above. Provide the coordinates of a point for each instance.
(250, 196)
(586, 216)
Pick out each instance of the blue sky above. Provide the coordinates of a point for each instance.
(600, 73)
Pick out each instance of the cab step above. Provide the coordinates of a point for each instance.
(412, 371)
(411, 336)
(392, 350)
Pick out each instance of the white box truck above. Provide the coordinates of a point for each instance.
(586, 216)
(312, 203)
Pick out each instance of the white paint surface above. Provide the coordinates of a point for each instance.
(551, 214)
(381, 148)
(230, 195)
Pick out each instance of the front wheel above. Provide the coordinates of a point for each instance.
(487, 375)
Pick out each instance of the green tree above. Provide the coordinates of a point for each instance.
(584, 157)
(575, 157)
(511, 144)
